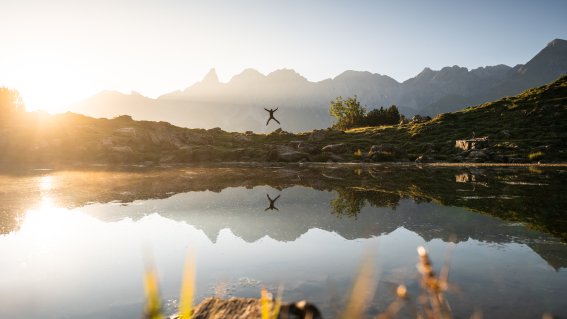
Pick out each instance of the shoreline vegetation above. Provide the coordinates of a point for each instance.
(529, 128)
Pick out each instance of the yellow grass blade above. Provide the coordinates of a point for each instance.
(187, 288)
(153, 302)
(264, 304)
(362, 290)
(277, 306)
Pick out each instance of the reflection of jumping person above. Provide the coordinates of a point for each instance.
(271, 115)
(272, 203)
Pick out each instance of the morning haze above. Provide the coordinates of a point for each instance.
(283, 159)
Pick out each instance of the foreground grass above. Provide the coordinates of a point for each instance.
(430, 304)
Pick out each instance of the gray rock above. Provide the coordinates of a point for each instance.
(242, 139)
(287, 154)
(248, 308)
(419, 118)
(308, 148)
(473, 143)
(478, 156)
(424, 159)
(386, 152)
(335, 148)
(382, 148)
(280, 132)
(126, 131)
(318, 135)
(336, 158)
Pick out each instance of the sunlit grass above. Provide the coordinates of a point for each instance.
(153, 301)
(187, 288)
(431, 304)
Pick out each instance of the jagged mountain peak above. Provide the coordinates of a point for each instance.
(248, 75)
(364, 78)
(548, 64)
(286, 75)
(429, 93)
(427, 72)
(211, 77)
(557, 43)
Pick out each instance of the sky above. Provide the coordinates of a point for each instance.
(59, 52)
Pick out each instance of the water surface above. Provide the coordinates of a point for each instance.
(72, 242)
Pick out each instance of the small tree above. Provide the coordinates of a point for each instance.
(389, 116)
(349, 113)
(393, 115)
(10, 103)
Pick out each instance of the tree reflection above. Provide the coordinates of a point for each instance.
(350, 201)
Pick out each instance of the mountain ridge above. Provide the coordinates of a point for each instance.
(237, 104)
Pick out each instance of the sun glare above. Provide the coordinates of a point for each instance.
(51, 84)
(46, 183)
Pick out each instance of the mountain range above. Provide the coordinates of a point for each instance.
(303, 105)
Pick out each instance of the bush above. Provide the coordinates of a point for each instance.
(389, 116)
(350, 114)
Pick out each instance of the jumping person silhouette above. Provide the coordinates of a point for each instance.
(272, 203)
(271, 111)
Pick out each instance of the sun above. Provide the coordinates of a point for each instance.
(52, 84)
(53, 93)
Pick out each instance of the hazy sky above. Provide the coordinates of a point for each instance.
(57, 52)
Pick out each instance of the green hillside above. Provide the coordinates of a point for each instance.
(534, 122)
(530, 127)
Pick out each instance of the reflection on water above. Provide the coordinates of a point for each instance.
(72, 241)
(272, 203)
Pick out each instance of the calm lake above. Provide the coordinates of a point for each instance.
(72, 242)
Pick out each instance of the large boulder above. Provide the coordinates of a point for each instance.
(386, 152)
(318, 135)
(473, 143)
(478, 156)
(308, 148)
(420, 119)
(335, 148)
(286, 154)
(241, 138)
(248, 308)
(280, 132)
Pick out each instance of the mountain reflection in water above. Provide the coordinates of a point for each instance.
(81, 231)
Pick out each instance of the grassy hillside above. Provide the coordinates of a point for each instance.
(532, 122)
(530, 127)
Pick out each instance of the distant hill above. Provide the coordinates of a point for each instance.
(303, 105)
